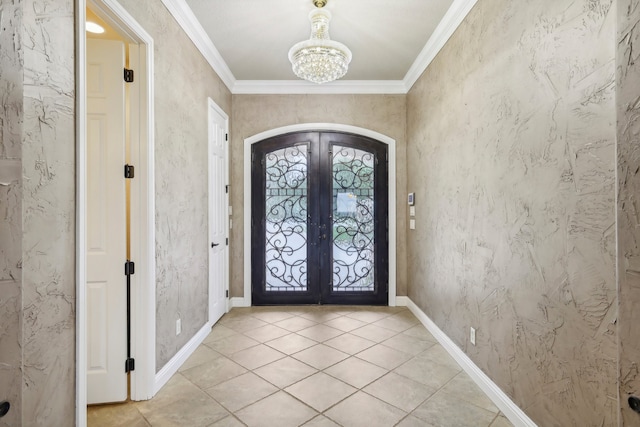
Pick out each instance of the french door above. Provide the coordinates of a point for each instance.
(319, 220)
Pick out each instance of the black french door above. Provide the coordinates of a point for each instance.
(319, 220)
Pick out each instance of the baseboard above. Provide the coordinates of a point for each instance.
(239, 302)
(491, 389)
(180, 357)
(402, 301)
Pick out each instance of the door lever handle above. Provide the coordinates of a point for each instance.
(213, 245)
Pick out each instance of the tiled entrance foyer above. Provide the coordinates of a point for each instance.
(314, 366)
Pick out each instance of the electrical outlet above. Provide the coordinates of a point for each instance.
(472, 336)
(178, 326)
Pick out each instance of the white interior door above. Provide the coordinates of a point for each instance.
(218, 214)
(106, 223)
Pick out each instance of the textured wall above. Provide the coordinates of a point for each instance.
(253, 114)
(628, 91)
(511, 153)
(11, 209)
(48, 169)
(183, 81)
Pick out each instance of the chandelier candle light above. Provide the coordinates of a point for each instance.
(320, 59)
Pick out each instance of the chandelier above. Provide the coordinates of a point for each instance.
(320, 59)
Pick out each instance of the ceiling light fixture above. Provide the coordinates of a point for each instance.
(92, 27)
(320, 59)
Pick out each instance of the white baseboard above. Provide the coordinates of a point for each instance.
(239, 302)
(402, 301)
(491, 389)
(180, 357)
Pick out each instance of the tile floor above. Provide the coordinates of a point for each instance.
(315, 366)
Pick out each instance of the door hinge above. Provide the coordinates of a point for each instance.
(129, 268)
(227, 241)
(226, 136)
(129, 171)
(227, 293)
(128, 75)
(226, 189)
(129, 365)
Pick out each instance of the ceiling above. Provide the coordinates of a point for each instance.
(247, 41)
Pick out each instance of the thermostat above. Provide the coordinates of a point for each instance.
(411, 199)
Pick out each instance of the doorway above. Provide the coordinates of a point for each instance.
(319, 219)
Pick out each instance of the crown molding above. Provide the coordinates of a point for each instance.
(190, 24)
(450, 22)
(275, 87)
(445, 29)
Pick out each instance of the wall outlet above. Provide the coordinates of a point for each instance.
(472, 335)
(178, 326)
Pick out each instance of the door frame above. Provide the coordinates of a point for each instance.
(213, 107)
(143, 296)
(333, 127)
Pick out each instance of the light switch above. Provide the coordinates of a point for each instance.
(412, 224)
(412, 211)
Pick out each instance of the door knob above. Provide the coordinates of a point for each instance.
(213, 245)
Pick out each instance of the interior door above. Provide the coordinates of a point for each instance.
(218, 215)
(106, 223)
(319, 220)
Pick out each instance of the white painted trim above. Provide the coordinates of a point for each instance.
(81, 218)
(458, 10)
(402, 301)
(172, 366)
(143, 297)
(211, 105)
(491, 389)
(239, 302)
(190, 24)
(391, 143)
(273, 87)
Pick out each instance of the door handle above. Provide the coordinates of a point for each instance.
(213, 245)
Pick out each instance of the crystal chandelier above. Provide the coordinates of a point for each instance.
(320, 59)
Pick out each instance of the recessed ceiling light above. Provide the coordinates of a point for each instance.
(92, 27)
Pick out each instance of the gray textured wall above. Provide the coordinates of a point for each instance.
(253, 114)
(11, 111)
(511, 153)
(628, 92)
(183, 81)
(48, 213)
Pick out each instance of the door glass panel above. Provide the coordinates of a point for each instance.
(353, 220)
(286, 219)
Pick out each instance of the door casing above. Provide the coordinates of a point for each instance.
(245, 301)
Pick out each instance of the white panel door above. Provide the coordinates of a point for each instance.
(106, 223)
(218, 214)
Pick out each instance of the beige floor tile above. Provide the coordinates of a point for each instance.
(266, 333)
(384, 357)
(501, 421)
(407, 344)
(232, 344)
(397, 323)
(320, 421)
(446, 410)
(295, 324)
(400, 391)
(181, 403)
(345, 323)
(374, 333)
(254, 357)
(320, 333)
(116, 415)
(349, 343)
(285, 372)
(229, 421)
(438, 354)
(362, 410)
(463, 387)
(214, 372)
(269, 412)
(218, 332)
(291, 343)
(241, 391)
(427, 372)
(320, 356)
(272, 316)
(320, 391)
(320, 316)
(202, 354)
(368, 316)
(411, 421)
(356, 372)
(421, 333)
(245, 324)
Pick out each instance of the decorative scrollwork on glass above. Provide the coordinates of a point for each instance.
(286, 219)
(353, 220)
